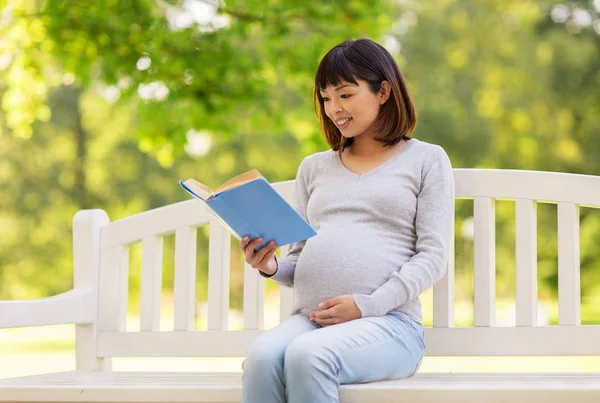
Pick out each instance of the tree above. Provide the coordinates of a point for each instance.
(514, 85)
(499, 84)
(110, 77)
(254, 63)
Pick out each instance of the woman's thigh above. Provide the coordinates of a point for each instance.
(271, 344)
(368, 349)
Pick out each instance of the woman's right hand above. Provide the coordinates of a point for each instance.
(263, 259)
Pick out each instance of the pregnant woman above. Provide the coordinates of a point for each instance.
(382, 203)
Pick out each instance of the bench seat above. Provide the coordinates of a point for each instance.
(89, 386)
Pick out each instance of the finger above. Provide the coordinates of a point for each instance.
(329, 303)
(244, 242)
(327, 322)
(263, 252)
(254, 244)
(269, 251)
(326, 314)
(249, 249)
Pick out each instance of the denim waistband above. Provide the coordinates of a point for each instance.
(416, 325)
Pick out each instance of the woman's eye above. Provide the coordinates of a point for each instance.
(325, 99)
(346, 96)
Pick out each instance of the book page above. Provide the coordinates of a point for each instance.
(239, 180)
(199, 188)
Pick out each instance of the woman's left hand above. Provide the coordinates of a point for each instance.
(336, 310)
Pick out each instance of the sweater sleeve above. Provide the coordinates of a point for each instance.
(434, 223)
(286, 266)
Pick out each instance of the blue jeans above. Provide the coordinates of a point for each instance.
(301, 362)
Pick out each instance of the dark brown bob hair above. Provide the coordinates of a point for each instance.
(366, 60)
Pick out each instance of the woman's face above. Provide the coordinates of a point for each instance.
(353, 108)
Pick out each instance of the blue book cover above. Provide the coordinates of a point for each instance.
(248, 205)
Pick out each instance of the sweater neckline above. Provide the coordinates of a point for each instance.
(383, 164)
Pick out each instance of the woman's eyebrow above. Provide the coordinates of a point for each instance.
(340, 87)
(343, 86)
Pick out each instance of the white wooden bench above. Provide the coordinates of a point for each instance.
(97, 305)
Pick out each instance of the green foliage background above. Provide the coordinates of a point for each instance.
(101, 98)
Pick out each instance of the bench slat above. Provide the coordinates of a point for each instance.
(569, 292)
(201, 343)
(485, 261)
(513, 341)
(219, 266)
(522, 184)
(443, 293)
(160, 221)
(151, 284)
(114, 283)
(526, 262)
(87, 386)
(254, 299)
(442, 342)
(185, 278)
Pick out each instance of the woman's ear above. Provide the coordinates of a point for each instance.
(384, 92)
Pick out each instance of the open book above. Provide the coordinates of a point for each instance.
(247, 205)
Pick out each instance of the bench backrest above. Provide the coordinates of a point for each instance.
(526, 188)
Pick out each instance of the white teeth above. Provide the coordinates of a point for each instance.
(341, 122)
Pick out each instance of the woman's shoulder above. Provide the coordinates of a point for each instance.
(315, 163)
(429, 153)
(318, 161)
(427, 147)
(320, 156)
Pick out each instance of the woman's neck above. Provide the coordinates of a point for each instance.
(370, 148)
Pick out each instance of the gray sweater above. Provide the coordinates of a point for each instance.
(382, 236)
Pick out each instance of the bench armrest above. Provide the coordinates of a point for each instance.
(77, 306)
(71, 307)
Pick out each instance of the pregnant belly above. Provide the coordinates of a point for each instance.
(342, 263)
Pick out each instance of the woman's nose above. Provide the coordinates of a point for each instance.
(335, 107)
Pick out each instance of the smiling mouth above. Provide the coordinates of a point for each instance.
(342, 123)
